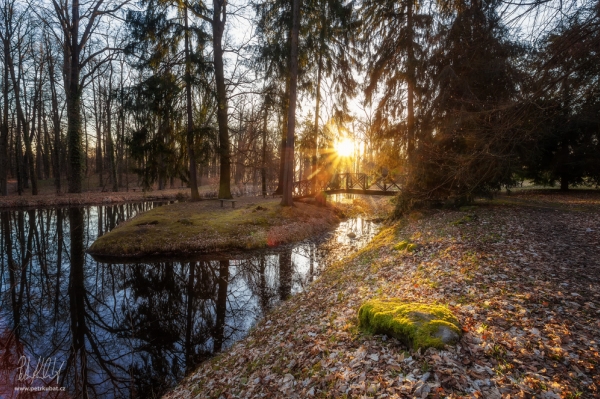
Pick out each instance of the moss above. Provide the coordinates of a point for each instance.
(406, 246)
(401, 245)
(416, 325)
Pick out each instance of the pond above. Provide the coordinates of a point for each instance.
(73, 326)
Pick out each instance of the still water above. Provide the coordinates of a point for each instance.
(75, 327)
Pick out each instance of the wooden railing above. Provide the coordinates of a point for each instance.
(353, 183)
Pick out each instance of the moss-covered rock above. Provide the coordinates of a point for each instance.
(416, 325)
(406, 246)
(401, 245)
(412, 247)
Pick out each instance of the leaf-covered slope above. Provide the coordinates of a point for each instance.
(524, 282)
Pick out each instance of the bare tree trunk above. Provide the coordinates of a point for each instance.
(410, 117)
(121, 129)
(55, 125)
(263, 169)
(19, 157)
(38, 106)
(218, 26)
(315, 149)
(4, 132)
(288, 176)
(284, 116)
(30, 164)
(73, 92)
(109, 141)
(47, 147)
(315, 144)
(195, 196)
(97, 123)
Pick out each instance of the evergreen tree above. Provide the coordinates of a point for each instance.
(395, 38)
(153, 103)
(567, 116)
(157, 35)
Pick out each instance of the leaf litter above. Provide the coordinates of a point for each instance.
(523, 281)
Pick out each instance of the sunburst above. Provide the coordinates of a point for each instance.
(344, 148)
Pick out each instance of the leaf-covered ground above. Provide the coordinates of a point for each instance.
(522, 275)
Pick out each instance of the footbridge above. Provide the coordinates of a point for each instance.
(349, 183)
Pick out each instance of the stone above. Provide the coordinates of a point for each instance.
(415, 324)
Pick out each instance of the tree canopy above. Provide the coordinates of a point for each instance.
(455, 98)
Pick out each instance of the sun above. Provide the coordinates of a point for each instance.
(344, 148)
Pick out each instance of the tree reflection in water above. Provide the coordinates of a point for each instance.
(125, 330)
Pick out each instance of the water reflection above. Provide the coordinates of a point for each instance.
(131, 330)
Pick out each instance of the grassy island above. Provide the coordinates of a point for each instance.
(205, 226)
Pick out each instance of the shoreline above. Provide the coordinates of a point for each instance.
(89, 198)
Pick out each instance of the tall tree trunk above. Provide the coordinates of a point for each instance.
(315, 144)
(47, 146)
(98, 121)
(109, 141)
(284, 116)
(121, 129)
(288, 176)
(411, 79)
(55, 125)
(19, 157)
(30, 164)
(195, 196)
(218, 26)
(263, 169)
(4, 131)
(73, 92)
(38, 151)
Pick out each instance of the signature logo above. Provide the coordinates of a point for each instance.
(45, 369)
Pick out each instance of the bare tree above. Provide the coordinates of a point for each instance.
(217, 23)
(78, 54)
